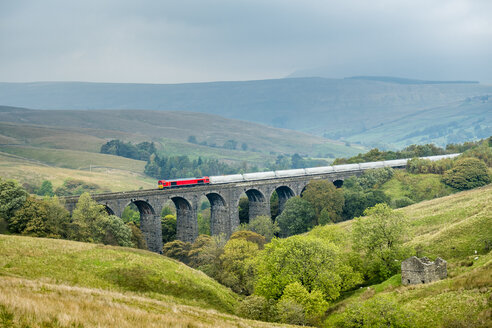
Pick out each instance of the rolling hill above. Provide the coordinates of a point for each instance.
(336, 108)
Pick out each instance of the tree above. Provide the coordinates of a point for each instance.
(131, 214)
(379, 237)
(192, 139)
(205, 254)
(322, 194)
(313, 303)
(86, 220)
(116, 232)
(12, 197)
(314, 263)
(257, 308)
(468, 173)
(243, 210)
(264, 226)
(249, 236)
(30, 219)
(168, 225)
(137, 238)
(238, 265)
(46, 189)
(203, 221)
(297, 217)
(178, 250)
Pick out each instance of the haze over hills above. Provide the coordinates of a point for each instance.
(336, 108)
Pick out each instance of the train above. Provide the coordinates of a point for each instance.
(396, 163)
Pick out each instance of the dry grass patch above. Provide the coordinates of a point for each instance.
(37, 304)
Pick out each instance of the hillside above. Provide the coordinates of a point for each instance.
(66, 129)
(337, 108)
(456, 228)
(62, 283)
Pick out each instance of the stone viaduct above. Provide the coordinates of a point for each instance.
(223, 197)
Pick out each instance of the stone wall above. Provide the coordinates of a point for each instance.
(421, 271)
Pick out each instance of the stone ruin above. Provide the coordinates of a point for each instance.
(421, 271)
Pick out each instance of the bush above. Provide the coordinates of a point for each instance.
(403, 201)
(178, 250)
(380, 311)
(257, 308)
(291, 312)
(264, 226)
(297, 217)
(249, 236)
(468, 173)
(138, 239)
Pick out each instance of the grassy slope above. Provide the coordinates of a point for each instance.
(452, 227)
(442, 125)
(40, 277)
(158, 125)
(34, 172)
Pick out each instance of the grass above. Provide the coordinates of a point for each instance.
(74, 159)
(111, 268)
(452, 227)
(33, 172)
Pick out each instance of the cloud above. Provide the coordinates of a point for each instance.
(197, 40)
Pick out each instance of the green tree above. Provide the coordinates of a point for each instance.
(322, 194)
(205, 254)
(468, 173)
(243, 210)
(137, 238)
(297, 217)
(238, 265)
(264, 226)
(30, 219)
(313, 303)
(116, 232)
(250, 236)
(87, 220)
(203, 221)
(379, 237)
(131, 214)
(12, 197)
(46, 189)
(178, 250)
(168, 224)
(314, 263)
(257, 307)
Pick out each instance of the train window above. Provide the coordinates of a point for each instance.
(174, 183)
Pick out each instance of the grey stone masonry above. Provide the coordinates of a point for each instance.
(421, 271)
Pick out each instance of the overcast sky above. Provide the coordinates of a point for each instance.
(211, 40)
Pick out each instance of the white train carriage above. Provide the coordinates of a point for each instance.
(346, 167)
(226, 178)
(259, 176)
(319, 170)
(290, 173)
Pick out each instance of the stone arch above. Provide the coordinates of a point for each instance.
(219, 215)
(186, 219)
(284, 193)
(150, 224)
(258, 203)
(338, 183)
(108, 209)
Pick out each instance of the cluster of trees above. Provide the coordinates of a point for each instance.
(293, 280)
(172, 167)
(410, 152)
(228, 144)
(20, 213)
(295, 161)
(70, 187)
(141, 151)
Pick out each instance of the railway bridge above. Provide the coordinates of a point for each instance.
(224, 193)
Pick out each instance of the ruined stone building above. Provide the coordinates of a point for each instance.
(422, 271)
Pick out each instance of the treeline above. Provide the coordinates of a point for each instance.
(141, 151)
(410, 152)
(70, 187)
(23, 214)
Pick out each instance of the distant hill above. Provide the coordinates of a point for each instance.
(88, 130)
(336, 108)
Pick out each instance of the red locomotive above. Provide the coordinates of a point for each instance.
(182, 182)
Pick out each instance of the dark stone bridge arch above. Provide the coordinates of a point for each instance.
(284, 193)
(219, 214)
(186, 223)
(258, 203)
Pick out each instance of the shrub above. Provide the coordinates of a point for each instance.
(380, 311)
(468, 173)
(291, 312)
(257, 308)
(264, 226)
(403, 201)
(177, 249)
(249, 236)
(297, 217)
